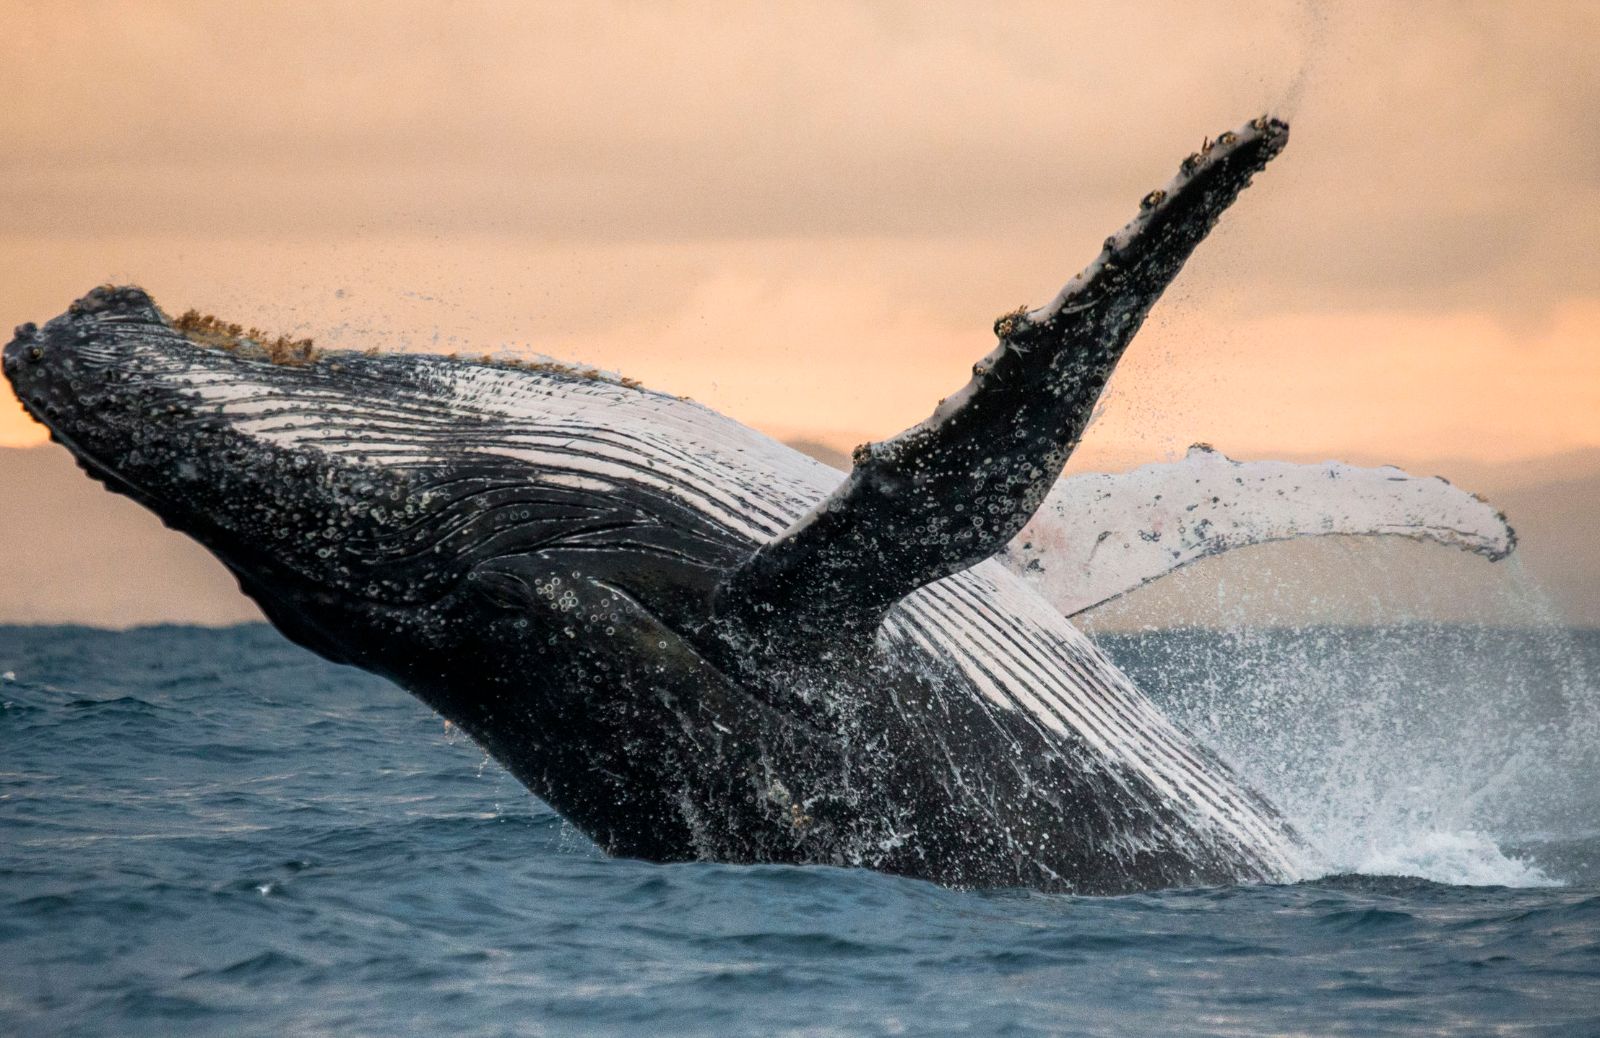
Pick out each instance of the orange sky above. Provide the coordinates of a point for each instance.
(809, 215)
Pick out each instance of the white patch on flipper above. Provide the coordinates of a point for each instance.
(1098, 536)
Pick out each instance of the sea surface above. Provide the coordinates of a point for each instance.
(212, 832)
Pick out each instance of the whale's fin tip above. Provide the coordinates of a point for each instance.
(954, 489)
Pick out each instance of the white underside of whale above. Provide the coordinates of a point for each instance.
(1100, 535)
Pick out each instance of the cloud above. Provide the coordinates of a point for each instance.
(1442, 150)
(640, 186)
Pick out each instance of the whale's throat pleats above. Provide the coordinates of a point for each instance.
(953, 490)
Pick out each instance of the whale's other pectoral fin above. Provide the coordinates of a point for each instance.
(953, 490)
(1099, 536)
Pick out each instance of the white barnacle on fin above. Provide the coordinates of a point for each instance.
(1101, 535)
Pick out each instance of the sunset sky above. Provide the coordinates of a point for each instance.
(809, 215)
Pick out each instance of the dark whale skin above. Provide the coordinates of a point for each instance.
(668, 649)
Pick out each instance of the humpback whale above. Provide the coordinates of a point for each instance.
(694, 642)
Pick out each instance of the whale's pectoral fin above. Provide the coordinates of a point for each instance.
(952, 491)
(1098, 536)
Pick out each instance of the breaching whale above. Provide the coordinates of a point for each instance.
(690, 640)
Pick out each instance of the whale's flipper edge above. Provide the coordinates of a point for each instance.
(1099, 536)
(954, 489)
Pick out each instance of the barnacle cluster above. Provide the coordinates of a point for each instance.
(552, 367)
(207, 330)
(1010, 322)
(212, 331)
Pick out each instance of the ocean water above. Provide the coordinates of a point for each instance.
(211, 832)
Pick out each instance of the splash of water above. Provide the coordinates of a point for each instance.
(1400, 746)
(1313, 28)
(1465, 858)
